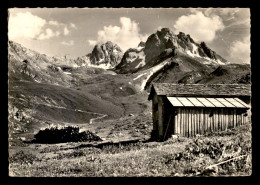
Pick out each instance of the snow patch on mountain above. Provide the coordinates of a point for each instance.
(152, 71)
(139, 76)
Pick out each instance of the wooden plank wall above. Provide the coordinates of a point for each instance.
(191, 121)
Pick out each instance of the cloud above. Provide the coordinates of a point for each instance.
(159, 28)
(199, 26)
(66, 31)
(73, 26)
(57, 33)
(70, 43)
(126, 36)
(92, 42)
(240, 51)
(29, 26)
(47, 34)
(54, 23)
(25, 25)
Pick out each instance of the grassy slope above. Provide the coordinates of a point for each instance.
(40, 104)
(185, 69)
(232, 73)
(175, 157)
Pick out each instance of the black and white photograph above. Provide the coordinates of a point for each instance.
(129, 92)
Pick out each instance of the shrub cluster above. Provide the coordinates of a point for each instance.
(63, 135)
(202, 153)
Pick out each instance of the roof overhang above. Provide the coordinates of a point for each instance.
(207, 102)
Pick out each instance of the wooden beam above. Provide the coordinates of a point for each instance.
(235, 117)
(160, 117)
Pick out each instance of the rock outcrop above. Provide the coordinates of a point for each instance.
(107, 54)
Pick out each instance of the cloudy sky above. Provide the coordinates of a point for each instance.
(74, 32)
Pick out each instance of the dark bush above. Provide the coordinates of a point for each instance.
(63, 135)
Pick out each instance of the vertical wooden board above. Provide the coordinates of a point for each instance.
(201, 122)
(226, 119)
(177, 120)
(242, 119)
(180, 121)
(235, 117)
(176, 117)
(184, 122)
(239, 119)
(161, 116)
(216, 119)
(186, 116)
(188, 122)
(246, 118)
(229, 118)
(205, 120)
(212, 121)
(196, 121)
(192, 122)
(232, 118)
(208, 121)
(221, 119)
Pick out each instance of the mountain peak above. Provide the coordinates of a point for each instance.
(164, 44)
(107, 55)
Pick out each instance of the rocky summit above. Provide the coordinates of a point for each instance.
(107, 55)
(164, 44)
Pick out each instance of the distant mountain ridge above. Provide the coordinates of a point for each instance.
(164, 57)
(163, 44)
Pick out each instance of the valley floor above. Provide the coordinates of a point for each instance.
(230, 150)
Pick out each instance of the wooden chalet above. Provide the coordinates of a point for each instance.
(191, 109)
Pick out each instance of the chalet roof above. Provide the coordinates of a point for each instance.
(217, 90)
(207, 102)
